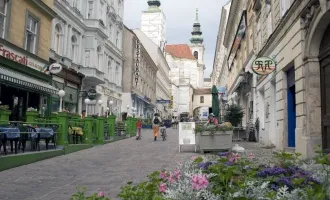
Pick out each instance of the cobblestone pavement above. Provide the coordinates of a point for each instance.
(102, 168)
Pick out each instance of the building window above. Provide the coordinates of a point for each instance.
(99, 58)
(3, 12)
(75, 3)
(110, 32)
(58, 33)
(117, 39)
(90, 10)
(74, 48)
(102, 11)
(87, 58)
(196, 54)
(109, 67)
(119, 7)
(201, 99)
(31, 34)
(117, 74)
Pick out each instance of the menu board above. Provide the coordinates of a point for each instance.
(187, 134)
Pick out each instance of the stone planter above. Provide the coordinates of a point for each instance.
(214, 142)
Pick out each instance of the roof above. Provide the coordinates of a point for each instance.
(180, 51)
(202, 91)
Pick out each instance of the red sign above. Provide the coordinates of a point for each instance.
(13, 55)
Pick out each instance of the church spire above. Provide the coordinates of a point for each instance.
(154, 4)
(196, 33)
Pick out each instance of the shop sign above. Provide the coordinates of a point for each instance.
(163, 101)
(55, 68)
(263, 65)
(91, 94)
(18, 57)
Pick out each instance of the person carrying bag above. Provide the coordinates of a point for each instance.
(155, 125)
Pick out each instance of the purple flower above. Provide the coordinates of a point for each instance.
(223, 154)
(205, 165)
(285, 180)
(100, 194)
(273, 171)
(274, 187)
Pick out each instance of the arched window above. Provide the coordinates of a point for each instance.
(58, 32)
(117, 75)
(196, 54)
(74, 48)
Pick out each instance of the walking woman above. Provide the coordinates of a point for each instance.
(156, 122)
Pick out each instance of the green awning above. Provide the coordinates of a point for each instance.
(21, 80)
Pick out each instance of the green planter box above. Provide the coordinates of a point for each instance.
(31, 116)
(4, 115)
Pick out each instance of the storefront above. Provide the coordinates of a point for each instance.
(69, 80)
(24, 81)
(143, 106)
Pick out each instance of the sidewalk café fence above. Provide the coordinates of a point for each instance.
(18, 133)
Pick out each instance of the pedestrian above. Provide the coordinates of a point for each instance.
(138, 128)
(212, 119)
(83, 114)
(156, 122)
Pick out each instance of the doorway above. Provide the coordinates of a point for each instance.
(325, 88)
(291, 107)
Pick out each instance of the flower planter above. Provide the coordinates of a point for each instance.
(214, 142)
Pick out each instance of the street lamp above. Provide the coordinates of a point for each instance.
(128, 106)
(108, 111)
(110, 103)
(61, 94)
(100, 103)
(87, 101)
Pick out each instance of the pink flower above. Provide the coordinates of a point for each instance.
(193, 157)
(162, 187)
(170, 178)
(100, 194)
(251, 156)
(234, 157)
(199, 182)
(329, 157)
(162, 175)
(177, 174)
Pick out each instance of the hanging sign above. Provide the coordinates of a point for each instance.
(91, 94)
(263, 65)
(55, 68)
(137, 62)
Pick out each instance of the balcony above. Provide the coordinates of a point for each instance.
(95, 23)
(93, 76)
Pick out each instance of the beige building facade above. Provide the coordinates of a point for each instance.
(292, 103)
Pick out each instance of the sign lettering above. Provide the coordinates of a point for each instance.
(11, 54)
(263, 66)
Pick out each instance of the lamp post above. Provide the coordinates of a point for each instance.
(61, 94)
(108, 111)
(110, 103)
(87, 101)
(128, 106)
(100, 104)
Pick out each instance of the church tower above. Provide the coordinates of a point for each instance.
(153, 23)
(198, 49)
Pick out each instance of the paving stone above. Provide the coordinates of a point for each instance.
(102, 168)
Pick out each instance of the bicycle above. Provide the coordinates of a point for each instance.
(163, 132)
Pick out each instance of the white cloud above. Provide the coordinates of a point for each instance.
(180, 16)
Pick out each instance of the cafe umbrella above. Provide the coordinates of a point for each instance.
(215, 101)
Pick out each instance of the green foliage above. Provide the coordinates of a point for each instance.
(234, 114)
(147, 190)
(80, 195)
(4, 107)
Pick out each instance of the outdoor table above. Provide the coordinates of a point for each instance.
(44, 133)
(8, 133)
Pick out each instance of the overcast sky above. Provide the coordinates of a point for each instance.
(180, 16)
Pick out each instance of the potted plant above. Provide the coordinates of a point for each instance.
(214, 137)
(234, 114)
(31, 114)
